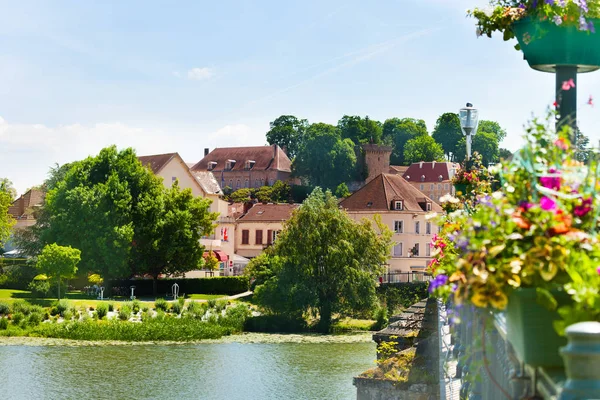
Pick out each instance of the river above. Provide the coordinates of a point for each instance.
(227, 371)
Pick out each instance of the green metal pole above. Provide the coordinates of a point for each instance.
(566, 99)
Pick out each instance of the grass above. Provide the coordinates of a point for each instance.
(206, 296)
(349, 325)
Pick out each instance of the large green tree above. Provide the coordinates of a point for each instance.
(324, 158)
(398, 131)
(360, 130)
(327, 263)
(485, 143)
(6, 220)
(287, 132)
(447, 132)
(166, 239)
(58, 262)
(492, 127)
(423, 148)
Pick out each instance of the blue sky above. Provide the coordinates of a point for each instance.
(161, 76)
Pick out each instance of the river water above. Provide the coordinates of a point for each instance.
(209, 371)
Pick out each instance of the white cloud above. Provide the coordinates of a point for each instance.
(199, 74)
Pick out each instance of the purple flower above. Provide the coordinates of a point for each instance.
(551, 181)
(550, 2)
(557, 20)
(584, 208)
(525, 205)
(522, 6)
(547, 204)
(462, 244)
(439, 280)
(583, 24)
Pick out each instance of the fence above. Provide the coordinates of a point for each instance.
(404, 277)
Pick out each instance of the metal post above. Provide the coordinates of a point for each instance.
(582, 362)
(566, 99)
(469, 138)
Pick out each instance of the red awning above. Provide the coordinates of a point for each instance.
(220, 255)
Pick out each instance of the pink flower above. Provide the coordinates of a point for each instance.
(550, 182)
(584, 208)
(566, 85)
(547, 204)
(561, 143)
(598, 270)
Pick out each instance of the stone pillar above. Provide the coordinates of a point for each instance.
(582, 362)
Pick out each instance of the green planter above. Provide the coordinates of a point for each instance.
(546, 45)
(530, 330)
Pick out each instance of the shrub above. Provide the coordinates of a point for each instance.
(67, 315)
(145, 315)
(197, 310)
(18, 317)
(3, 323)
(161, 304)
(216, 285)
(176, 308)
(102, 310)
(20, 306)
(381, 317)
(59, 307)
(39, 288)
(235, 317)
(135, 306)
(181, 301)
(4, 308)
(220, 305)
(124, 312)
(110, 307)
(212, 303)
(401, 295)
(145, 309)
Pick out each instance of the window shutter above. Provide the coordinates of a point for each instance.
(269, 237)
(245, 236)
(259, 237)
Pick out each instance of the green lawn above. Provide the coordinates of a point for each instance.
(206, 296)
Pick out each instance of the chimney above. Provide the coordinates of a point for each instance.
(421, 164)
(206, 151)
(433, 165)
(275, 160)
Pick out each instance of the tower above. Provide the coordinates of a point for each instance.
(377, 160)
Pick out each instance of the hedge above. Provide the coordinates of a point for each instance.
(217, 285)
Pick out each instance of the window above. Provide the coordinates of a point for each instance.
(428, 228)
(231, 183)
(259, 237)
(257, 183)
(229, 164)
(245, 236)
(399, 226)
(173, 179)
(417, 227)
(212, 165)
(445, 186)
(271, 182)
(275, 234)
(247, 183)
(398, 250)
(427, 250)
(415, 251)
(398, 205)
(439, 186)
(238, 184)
(428, 207)
(431, 187)
(249, 164)
(422, 187)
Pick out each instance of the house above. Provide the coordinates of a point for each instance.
(259, 226)
(23, 209)
(434, 179)
(403, 209)
(246, 167)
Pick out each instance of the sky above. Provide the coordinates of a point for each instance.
(76, 76)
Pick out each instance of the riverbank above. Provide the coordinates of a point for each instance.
(243, 338)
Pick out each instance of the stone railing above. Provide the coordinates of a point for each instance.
(477, 361)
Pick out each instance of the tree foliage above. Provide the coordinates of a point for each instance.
(581, 147)
(398, 131)
(6, 220)
(447, 133)
(287, 132)
(342, 191)
(360, 130)
(492, 127)
(423, 148)
(58, 262)
(326, 262)
(324, 158)
(485, 143)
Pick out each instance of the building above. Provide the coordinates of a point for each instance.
(259, 226)
(246, 167)
(23, 209)
(434, 179)
(377, 160)
(403, 209)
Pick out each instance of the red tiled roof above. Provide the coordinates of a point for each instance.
(398, 169)
(431, 171)
(264, 157)
(22, 208)
(156, 162)
(379, 194)
(269, 212)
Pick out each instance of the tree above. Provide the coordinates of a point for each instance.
(492, 127)
(6, 220)
(324, 158)
(360, 130)
(423, 148)
(485, 143)
(211, 263)
(342, 191)
(447, 132)
(263, 194)
(9, 188)
(327, 262)
(58, 262)
(581, 146)
(166, 239)
(240, 195)
(398, 131)
(287, 132)
(504, 154)
(280, 192)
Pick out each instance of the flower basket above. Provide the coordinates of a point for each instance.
(546, 45)
(530, 330)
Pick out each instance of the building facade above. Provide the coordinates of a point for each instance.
(404, 210)
(434, 179)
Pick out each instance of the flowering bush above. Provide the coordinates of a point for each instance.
(539, 231)
(501, 14)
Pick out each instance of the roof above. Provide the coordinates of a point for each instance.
(398, 169)
(22, 208)
(156, 162)
(378, 195)
(264, 157)
(207, 180)
(430, 171)
(269, 212)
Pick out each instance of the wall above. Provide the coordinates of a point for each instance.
(377, 160)
(436, 192)
(176, 168)
(252, 249)
(408, 239)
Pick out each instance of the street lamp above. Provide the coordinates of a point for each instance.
(469, 119)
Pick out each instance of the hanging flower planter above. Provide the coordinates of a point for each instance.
(546, 45)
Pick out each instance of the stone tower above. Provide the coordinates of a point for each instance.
(377, 160)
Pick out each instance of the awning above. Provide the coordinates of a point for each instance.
(220, 255)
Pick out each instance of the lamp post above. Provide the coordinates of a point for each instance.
(469, 120)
